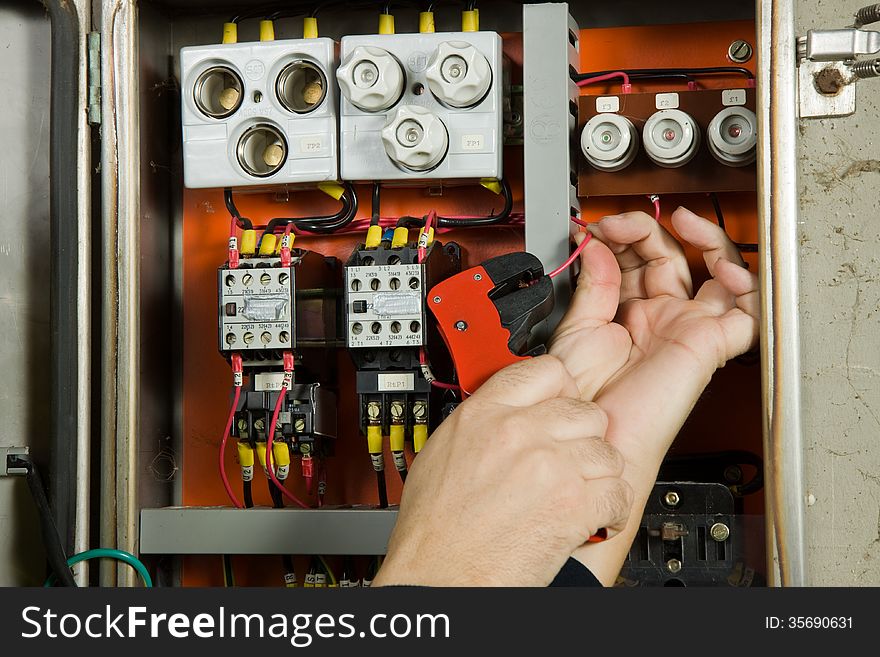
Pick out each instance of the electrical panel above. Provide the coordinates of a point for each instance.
(323, 319)
(261, 113)
(421, 106)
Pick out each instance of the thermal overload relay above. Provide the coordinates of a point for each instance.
(421, 106)
(266, 308)
(307, 420)
(259, 113)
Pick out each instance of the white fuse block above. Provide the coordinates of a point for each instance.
(259, 113)
(417, 107)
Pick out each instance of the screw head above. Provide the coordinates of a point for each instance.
(397, 410)
(673, 566)
(461, 325)
(242, 425)
(259, 425)
(672, 498)
(373, 410)
(436, 299)
(740, 51)
(420, 410)
(733, 474)
(478, 277)
(719, 532)
(300, 425)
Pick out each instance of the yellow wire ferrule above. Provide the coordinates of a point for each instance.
(492, 184)
(333, 189)
(267, 245)
(396, 436)
(374, 237)
(470, 21)
(426, 22)
(374, 439)
(230, 33)
(310, 27)
(248, 245)
(400, 238)
(281, 460)
(280, 454)
(246, 461)
(261, 455)
(420, 437)
(386, 24)
(428, 241)
(267, 31)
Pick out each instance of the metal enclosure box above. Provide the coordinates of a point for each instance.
(212, 146)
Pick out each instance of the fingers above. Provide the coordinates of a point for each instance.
(565, 419)
(528, 382)
(707, 236)
(651, 260)
(598, 288)
(606, 504)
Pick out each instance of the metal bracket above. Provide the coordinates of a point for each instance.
(838, 84)
(10, 453)
(94, 77)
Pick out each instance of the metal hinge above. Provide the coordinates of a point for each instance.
(829, 68)
(94, 77)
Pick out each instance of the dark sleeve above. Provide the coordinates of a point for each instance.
(574, 573)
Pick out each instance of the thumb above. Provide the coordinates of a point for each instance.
(528, 382)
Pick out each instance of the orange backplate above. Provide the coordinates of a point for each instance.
(728, 416)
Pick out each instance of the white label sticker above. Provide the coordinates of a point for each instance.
(313, 144)
(733, 97)
(267, 381)
(666, 101)
(473, 142)
(394, 382)
(605, 104)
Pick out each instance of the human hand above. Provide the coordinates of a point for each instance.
(643, 347)
(508, 486)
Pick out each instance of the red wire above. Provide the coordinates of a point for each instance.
(580, 222)
(222, 461)
(656, 202)
(565, 265)
(627, 87)
(293, 498)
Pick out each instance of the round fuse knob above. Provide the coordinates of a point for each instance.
(458, 74)
(371, 78)
(671, 138)
(609, 142)
(733, 136)
(415, 138)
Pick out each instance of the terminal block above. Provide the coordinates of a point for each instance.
(266, 308)
(307, 421)
(421, 107)
(259, 113)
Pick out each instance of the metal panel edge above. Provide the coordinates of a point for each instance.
(780, 327)
(120, 163)
(224, 530)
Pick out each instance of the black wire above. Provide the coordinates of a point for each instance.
(322, 225)
(403, 474)
(242, 222)
(51, 538)
(383, 490)
(711, 70)
(228, 574)
(275, 494)
(248, 494)
(745, 247)
(492, 219)
(376, 205)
